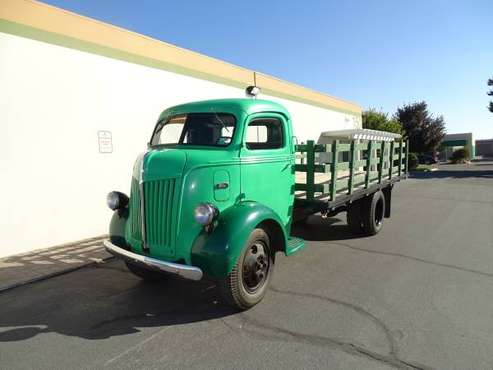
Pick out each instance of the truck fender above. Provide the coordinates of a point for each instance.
(118, 224)
(216, 252)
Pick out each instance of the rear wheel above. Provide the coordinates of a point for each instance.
(145, 274)
(354, 219)
(373, 213)
(247, 283)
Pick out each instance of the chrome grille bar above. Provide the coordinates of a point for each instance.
(145, 247)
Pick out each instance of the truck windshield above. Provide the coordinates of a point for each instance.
(210, 129)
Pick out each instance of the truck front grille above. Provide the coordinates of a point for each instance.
(159, 213)
(136, 223)
(158, 196)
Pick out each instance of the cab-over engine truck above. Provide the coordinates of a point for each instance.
(222, 182)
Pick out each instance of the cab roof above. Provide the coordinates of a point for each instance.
(235, 106)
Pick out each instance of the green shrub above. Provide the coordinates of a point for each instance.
(412, 161)
(460, 155)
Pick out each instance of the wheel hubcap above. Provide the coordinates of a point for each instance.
(255, 266)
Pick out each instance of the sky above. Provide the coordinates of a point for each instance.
(378, 53)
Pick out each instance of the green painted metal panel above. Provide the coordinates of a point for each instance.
(266, 175)
(294, 245)
(221, 185)
(216, 253)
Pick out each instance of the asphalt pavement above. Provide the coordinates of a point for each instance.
(417, 295)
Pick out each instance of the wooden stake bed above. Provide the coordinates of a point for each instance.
(359, 167)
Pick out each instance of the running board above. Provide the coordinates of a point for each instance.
(294, 245)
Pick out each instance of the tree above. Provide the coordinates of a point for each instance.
(460, 155)
(423, 131)
(412, 161)
(374, 120)
(490, 93)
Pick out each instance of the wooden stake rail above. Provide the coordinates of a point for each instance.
(368, 163)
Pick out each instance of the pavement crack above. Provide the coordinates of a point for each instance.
(317, 340)
(417, 259)
(357, 309)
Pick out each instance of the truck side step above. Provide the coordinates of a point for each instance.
(294, 245)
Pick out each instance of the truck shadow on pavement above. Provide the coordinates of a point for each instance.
(316, 228)
(99, 302)
(105, 300)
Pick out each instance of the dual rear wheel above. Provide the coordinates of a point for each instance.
(365, 216)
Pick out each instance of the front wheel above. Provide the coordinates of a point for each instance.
(247, 283)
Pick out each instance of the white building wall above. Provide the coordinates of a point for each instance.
(53, 102)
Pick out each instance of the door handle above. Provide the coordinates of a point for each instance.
(221, 185)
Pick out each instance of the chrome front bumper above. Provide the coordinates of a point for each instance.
(185, 271)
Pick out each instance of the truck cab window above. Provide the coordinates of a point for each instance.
(266, 133)
(204, 129)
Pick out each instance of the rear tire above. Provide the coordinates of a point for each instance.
(373, 213)
(247, 283)
(145, 274)
(353, 217)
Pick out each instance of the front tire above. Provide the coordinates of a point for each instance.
(247, 283)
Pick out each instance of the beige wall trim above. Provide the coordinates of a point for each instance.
(43, 22)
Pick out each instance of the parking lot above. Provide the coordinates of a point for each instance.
(417, 295)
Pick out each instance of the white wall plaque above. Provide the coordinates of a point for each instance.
(105, 142)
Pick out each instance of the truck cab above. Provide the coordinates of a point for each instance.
(213, 195)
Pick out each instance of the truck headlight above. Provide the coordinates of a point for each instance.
(205, 213)
(116, 200)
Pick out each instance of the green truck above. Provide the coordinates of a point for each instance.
(222, 182)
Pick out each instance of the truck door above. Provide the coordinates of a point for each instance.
(266, 163)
